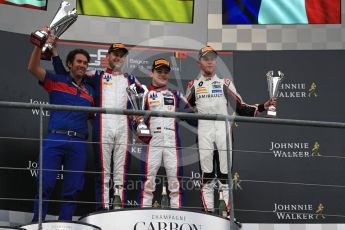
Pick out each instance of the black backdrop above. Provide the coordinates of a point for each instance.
(304, 168)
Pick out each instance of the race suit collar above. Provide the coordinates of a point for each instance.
(156, 88)
(202, 77)
(110, 71)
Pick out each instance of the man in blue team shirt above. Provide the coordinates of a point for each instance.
(67, 130)
(110, 132)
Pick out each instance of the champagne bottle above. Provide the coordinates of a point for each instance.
(222, 206)
(111, 202)
(117, 199)
(155, 204)
(165, 199)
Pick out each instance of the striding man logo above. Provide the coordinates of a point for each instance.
(319, 212)
(312, 90)
(236, 181)
(315, 150)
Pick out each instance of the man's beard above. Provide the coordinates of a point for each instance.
(116, 67)
(208, 72)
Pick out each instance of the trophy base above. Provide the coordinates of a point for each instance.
(271, 114)
(143, 136)
(143, 133)
(143, 139)
(38, 38)
(272, 111)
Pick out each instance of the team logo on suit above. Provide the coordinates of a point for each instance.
(153, 96)
(107, 79)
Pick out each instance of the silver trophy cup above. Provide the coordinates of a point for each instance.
(62, 20)
(273, 83)
(137, 101)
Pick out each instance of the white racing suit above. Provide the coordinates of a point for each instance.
(164, 146)
(111, 133)
(215, 96)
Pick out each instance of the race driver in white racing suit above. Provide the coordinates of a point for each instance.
(211, 94)
(164, 146)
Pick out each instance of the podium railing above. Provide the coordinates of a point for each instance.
(226, 118)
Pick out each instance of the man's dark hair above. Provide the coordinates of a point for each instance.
(71, 55)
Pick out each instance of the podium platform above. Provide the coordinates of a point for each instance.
(61, 225)
(156, 219)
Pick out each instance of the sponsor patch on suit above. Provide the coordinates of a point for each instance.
(168, 101)
(201, 90)
(217, 91)
(154, 102)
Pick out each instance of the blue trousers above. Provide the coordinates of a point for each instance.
(57, 151)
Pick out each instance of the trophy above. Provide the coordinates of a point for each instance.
(62, 20)
(137, 101)
(273, 83)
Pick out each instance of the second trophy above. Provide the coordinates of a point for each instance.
(137, 101)
(273, 83)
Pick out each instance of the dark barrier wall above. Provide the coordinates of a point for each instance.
(287, 168)
(280, 169)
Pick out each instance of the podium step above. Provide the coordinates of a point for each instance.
(156, 219)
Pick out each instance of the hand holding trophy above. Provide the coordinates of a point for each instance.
(62, 20)
(273, 83)
(137, 101)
